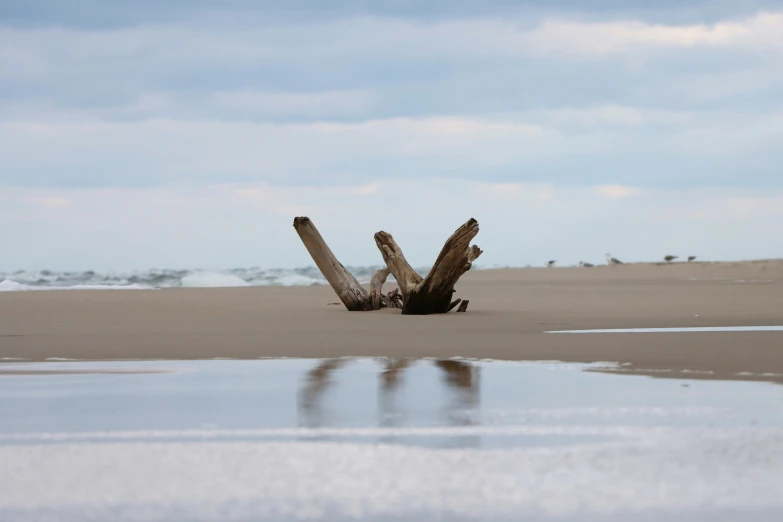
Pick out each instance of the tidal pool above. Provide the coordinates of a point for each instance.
(677, 329)
(382, 439)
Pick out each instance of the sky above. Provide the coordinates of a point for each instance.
(190, 133)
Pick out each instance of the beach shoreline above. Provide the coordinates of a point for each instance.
(510, 312)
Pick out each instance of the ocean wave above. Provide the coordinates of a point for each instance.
(7, 285)
(212, 280)
(23, 280)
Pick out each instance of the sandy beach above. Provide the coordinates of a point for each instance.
(510, 312)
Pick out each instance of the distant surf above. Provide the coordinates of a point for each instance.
(25, 280)
(7, 285)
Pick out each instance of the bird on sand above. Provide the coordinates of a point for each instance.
(670, 258)
(612, 260)
(585, 265)
(551, 263)
(691, 258)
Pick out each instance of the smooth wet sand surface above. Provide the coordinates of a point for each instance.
(510, 311)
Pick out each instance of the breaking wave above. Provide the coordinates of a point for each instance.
(171, 278)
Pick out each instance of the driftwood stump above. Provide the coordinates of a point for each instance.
(416, 295)
(433, 293)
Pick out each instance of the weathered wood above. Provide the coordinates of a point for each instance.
(406, 276)
(432, 294)
(393, 299)
(345, 285)
(415, 295)
(464, 306)
(376, 286)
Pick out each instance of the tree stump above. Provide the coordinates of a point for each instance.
(433, 293)
(416, 295)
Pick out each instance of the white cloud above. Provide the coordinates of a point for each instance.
(247, 225)
(339, 100)
(173, 149)
(159, 51)
(536, 146)
(316, 104)
(364, 112)
(616, 191)
(49, 202)
(762, 31)
(612, 116)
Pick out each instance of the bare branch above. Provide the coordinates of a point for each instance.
(376, 286)
(348, 289)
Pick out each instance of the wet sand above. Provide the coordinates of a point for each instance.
(510, 311)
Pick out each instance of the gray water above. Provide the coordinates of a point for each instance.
(220, 398)
(382, 439)
(678, 329)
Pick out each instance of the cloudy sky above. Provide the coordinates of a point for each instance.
(189, 133)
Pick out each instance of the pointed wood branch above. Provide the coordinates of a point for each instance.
(406, 276)
(348, 289)
(432, 294)
(376, 285)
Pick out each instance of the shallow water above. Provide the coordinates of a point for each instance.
(383, 439)
(679, 329)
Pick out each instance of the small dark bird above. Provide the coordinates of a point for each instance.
(551, 263)
(612, 260)
(585, 265)
(670, 258)
(691, 258)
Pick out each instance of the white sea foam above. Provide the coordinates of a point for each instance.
(671, 475)
(212, 280)
(172, 278)
(12, 286)
(298, 280)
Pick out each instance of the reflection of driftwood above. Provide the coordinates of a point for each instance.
(460, 409)
(463, 379)
(431, 294)
(416, 295)
(317, 380)
(390, 376)
(458, 374)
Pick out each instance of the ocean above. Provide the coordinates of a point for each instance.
(22, 280)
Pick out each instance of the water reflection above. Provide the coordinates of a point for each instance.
(397, 404)
(463, 383)
(431, 403)
(316, 382)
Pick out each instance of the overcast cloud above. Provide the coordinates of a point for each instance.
(138, 134)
